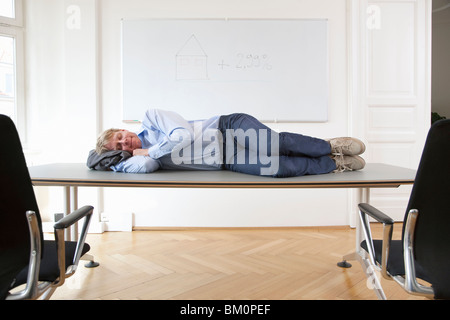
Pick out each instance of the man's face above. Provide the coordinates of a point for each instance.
(124, 140)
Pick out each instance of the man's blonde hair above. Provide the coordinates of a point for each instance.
(103, 139)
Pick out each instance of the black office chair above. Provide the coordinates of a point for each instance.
(27, 260)
(424, 251)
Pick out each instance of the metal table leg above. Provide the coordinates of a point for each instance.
(363, 197)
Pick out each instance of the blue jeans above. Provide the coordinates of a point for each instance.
(253, 148)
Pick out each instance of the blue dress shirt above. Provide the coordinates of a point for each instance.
(175, 143)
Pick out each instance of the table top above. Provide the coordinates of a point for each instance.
(78, 174)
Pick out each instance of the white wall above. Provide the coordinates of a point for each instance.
(169, 207)
(61, 92)
(74, 80)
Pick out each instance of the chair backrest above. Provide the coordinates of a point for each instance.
(16, 197)
(431, 197)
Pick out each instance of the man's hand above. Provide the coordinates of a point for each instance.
(140, 152)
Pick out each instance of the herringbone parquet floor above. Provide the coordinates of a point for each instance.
(278, 263)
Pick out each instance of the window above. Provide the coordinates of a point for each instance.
(11, 12)
(7, 76)
(7, 9)
(11, 62)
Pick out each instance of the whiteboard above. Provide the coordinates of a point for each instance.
(275, 70)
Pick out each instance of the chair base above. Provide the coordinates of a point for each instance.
(373, 282)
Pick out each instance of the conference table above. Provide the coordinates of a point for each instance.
(71, 176)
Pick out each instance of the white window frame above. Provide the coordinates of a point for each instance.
(18, 20)
(13, 27)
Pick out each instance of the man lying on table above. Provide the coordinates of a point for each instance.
(236, 142)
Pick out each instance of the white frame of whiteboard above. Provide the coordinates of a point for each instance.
(146, 67)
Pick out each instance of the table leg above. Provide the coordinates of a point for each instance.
(67, 232)
(363, 197)
(71, 234)
(71, 204)
(73, 207)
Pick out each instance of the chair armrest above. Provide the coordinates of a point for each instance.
(60, 226)
(366, 210)
(375, 213)
(33, 289)
(73, 217)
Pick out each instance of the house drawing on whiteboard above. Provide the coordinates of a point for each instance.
(191, 61)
